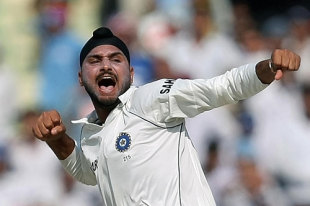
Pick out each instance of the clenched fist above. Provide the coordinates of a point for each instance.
(49, 126)
(284, 60)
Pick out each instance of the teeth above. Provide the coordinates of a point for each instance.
(107, 77)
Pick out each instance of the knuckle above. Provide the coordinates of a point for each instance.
(33, 130)
(56, 119)
(54, 112)
(48, 124)
(38, 135)
(40, 117)
(45, 133)
(278, 51)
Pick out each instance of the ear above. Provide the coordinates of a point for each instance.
(132, 72)
(80, 79)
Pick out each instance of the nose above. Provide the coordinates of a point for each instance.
(106, 64)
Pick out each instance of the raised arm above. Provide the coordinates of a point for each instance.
(273, 69)
(169, 100)
(49, 128)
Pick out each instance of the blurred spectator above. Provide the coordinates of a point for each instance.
(212, 156)
(21, 182)
(218, 174)
(137, 8)
(219, 122)
(202, 52)
(245, 144)
(252, 187)
(4, 161)
(249, 38)
(74, 193)
(8, 99)
(30, 159)
(305, 89)
(5, 175)
(275, 30)
(107, 9)
(282, 137)
(299, 18)
(155, 30)
(253, 45)
(59, 58)
(222, 15)
(177, 11)
(125, 26)
(242, 20)
(199, 51)
(298, 39)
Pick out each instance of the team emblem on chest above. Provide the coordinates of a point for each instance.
(123, 142)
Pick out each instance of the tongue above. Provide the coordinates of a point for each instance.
(106, 89)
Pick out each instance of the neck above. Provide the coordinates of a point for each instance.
(104, 111)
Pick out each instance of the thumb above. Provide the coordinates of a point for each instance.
(59, 129)
(279, 74)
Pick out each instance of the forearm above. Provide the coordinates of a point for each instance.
(265, 74)
(189, 98)
(235, 85)
(62, 147)
(80, 167)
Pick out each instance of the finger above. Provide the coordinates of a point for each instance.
(55, 117)
(36, 131)
(276, 57)
(47, 120)
(292, 63)
(286, 59)
(44, 131)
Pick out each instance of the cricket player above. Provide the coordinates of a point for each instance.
(134, 145)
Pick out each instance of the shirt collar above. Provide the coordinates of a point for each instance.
(125, 97)
(93, 117)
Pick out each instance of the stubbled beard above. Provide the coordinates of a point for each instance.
(106, 102)
(110, 102)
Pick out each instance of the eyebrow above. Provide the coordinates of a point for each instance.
(110, 55)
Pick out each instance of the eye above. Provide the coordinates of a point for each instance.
(117, 60)
(93, 60)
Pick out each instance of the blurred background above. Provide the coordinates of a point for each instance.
(254, 153)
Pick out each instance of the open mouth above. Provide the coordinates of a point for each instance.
(106, 83)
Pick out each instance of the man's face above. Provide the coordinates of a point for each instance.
(105, 74)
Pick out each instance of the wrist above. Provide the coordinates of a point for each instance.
(271, 66)
(57, 139)
(264, 72)
(62, 146)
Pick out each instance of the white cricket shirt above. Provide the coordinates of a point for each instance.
(142, 155)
